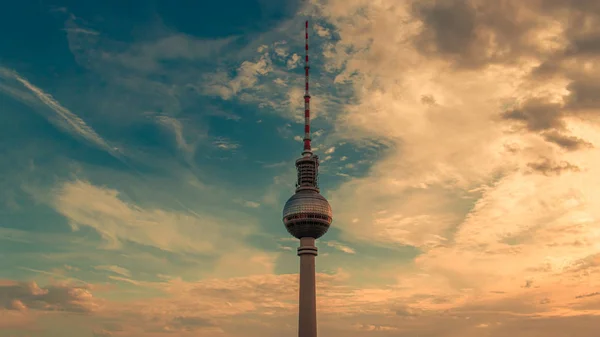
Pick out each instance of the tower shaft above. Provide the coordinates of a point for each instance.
(307, 318)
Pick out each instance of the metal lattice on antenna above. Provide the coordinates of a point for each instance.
(307, 148)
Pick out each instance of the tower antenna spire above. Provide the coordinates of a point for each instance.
(307, 149)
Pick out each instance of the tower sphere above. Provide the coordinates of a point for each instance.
(307, 214)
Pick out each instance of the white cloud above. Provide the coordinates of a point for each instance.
(280, 82)
(262, 48)
(225, 144)
(322, 31)
(252, 204)
(281, 52)
(247, 75)
(293, 61)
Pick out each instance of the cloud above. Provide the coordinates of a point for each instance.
(293, 61)
(225, 144)
(455, 178)
(28, 295)
(252, 204)
(119, 223)
(588, 295)
(280, 82)
(79, 30)
(474, 34)
(566, 142)
(538, 115)
(546, 166)
(322, 31)
(63, 117)
(115, 269)
(341, 247)
(246, 77)
(147, 56)
(188, 323)
(175, 126)
(499, 250)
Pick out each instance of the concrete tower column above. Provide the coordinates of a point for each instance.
(307, 321)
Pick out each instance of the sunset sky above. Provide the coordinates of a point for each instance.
(147, 149)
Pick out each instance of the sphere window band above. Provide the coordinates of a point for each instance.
(308, 216)
(296, 207)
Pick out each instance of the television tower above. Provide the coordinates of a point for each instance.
(307, 216)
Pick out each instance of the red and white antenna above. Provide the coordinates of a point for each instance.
(307, 148)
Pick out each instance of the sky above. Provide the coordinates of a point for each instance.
(147, 150)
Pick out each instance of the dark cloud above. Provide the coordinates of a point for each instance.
(428, 100)
(548, 167)
(548, 327)
(586, 265)
(28, 295)
(537, 115)
(102, 333)
(191, 322)
(449, 26)
(570, 143)
(473, 33)
(404, 311)
(588, 295)
(180, 324)
(588, 45)
(584, 94)
(540, 115)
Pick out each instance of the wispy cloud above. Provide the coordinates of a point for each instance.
(341, 247)
(225, 144)
(120, 223)
(79, 30)
(63, 117)
(177, 128)
(252, 204)
(115, 269)
(275, 165)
